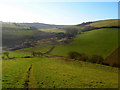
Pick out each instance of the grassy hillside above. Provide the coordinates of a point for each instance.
(13, 35)
(38, 48)
(13, 38)
(12, 26)
(43, 72)
(24, 70)
(96, 42)
(39, 25)
(56, 30)
(101, 42)
(104, 23)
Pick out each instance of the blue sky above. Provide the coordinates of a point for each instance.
(62, 13)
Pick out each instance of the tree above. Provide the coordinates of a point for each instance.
(71, 31)
(83, 57)
(74, 55)
(97, 59)
(6, 54)
(78, 56)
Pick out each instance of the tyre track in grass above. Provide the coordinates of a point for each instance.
(30, 81)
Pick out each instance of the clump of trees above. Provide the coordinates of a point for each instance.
(71, 31)
(74, 55)
(97, 59)
(77, 56)
(83, 57)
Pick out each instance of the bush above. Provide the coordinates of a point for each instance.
(97, 59)
(83, 57)
(3, 57)
(74, 55)
(78, 56)
(33, 53)
(6, 54)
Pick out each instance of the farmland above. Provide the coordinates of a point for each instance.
(43, 72)
(56, 30)
(24, 69)
(97, 42)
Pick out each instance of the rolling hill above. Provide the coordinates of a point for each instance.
(104, 23)
(14, 34)
(101, 23)
(24, 70)
(39, 25)
(92, 42)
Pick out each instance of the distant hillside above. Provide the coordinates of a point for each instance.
(14, 34)
(38, 25)
(12, 26)
(101, 23)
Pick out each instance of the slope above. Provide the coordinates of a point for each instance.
(101, 42)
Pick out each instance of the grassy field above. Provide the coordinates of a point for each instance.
(62, 72)
(37, 48)
(43, 72)
(99, 42)
(105, 23)
(56, 30)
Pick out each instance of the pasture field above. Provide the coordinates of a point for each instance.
(105, 23)
(56, 30)
(37, 48)
(99, 42)
(55, 72)
(96, 42)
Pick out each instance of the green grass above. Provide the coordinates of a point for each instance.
(12, 26)
(101, 42)
(104, 23)
(38, 48)
(57, 73)
(43, 72)
(56, 30)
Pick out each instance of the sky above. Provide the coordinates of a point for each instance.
(59, 13)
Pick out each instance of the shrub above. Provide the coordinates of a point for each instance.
(97, 59)
(83, 57)
(33, 53)
(6, 54)
(3, 57)
(78, 56)
(74, 55)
